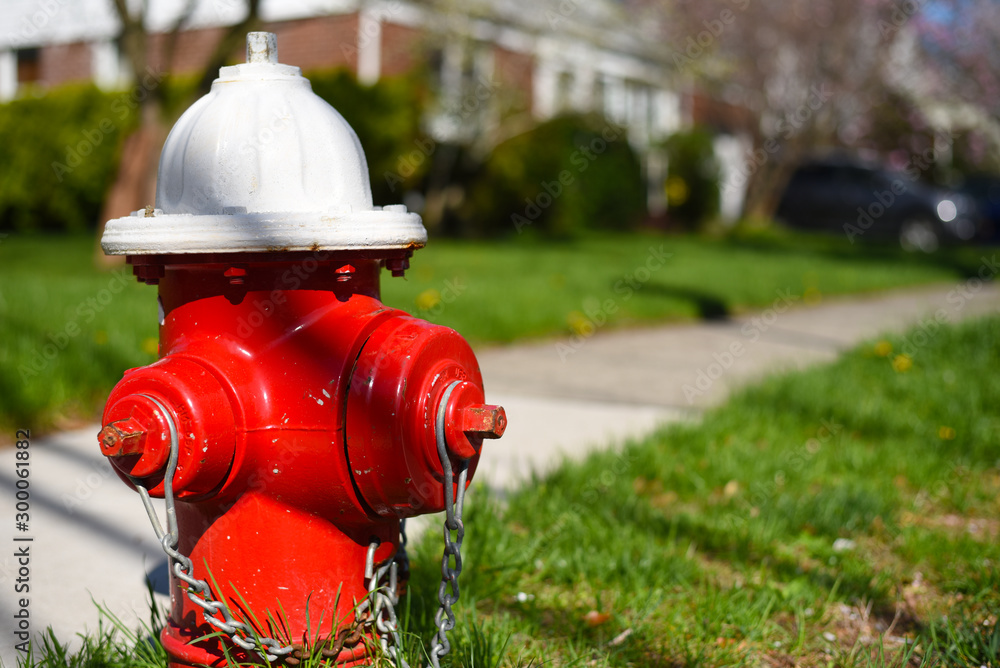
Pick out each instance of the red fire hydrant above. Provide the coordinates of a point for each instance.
(292, 419)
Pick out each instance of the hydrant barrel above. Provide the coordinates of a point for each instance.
(291, 419)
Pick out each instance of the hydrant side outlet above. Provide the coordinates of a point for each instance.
(291, 420)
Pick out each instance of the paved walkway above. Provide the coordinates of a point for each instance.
(563, 398)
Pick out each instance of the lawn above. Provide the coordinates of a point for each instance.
(842, 516)
(846, 515)
(500, 292)
(68, 330)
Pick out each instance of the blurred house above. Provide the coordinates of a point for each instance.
(577, 55)
(486, 60)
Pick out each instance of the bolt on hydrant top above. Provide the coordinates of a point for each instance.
(261, 163)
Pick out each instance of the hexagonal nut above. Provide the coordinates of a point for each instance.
(122, 438)
(484, 421)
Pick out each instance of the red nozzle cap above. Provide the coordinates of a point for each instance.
(468, 421)
(136, 436)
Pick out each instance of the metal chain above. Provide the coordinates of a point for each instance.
(198, 590)
(445, 618)
(381, 604)
(377, 610)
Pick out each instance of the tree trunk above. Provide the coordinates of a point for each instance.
(135, 185)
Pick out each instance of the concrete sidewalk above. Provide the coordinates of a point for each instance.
(92, 540)
(620, 384)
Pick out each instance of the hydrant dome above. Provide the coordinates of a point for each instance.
(262, 163)
(264, 145)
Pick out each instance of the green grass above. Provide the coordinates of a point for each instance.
(54, 302)
(847, 515)
(113, 644)
(500, 292)
(65, 337)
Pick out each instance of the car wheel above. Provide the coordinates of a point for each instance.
(918, 234)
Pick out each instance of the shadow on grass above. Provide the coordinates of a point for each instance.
(708, 306)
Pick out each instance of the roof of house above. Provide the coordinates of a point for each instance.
(607, 23)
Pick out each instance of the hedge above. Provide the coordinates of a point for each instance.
(59, 155)
(566, 175)
(694, 174)
(59, 152)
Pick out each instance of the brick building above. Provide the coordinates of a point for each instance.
(539, 58)
(547, 57)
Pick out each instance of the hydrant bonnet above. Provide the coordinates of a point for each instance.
(261, 163)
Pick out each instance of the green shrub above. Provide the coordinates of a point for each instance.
(58, 156)
(567, 174)
(692, 185)
(386, 116)
(59, 152)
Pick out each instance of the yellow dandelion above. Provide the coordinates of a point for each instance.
(812, 296)
(579, 323)
(883, 348)
(902, 363)
(428, 299)
(677, 191)
(151, 346)
(946, 433)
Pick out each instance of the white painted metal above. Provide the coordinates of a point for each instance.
(262, 163)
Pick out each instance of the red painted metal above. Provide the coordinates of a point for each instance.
(305, 410)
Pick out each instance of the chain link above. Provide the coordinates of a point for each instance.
(377, 610)
(198, 591)
(381, 604)
(445, 617)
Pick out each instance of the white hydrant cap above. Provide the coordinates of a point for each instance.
(261, 163)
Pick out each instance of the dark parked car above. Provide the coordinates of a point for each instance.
(984, 190)
(866, 201)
